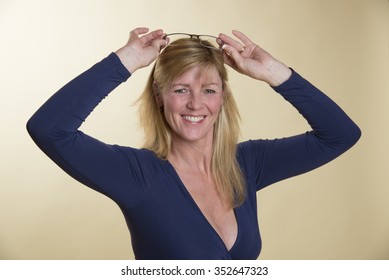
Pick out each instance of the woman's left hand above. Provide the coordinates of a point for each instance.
(248, 58)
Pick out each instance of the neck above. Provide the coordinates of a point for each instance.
(195, 156)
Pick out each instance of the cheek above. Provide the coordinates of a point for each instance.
(217, 104)
(171, 105)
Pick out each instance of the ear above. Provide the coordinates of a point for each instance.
(157, 95)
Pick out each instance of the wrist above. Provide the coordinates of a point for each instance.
(126, 60)
(277, 73)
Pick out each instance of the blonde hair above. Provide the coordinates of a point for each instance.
(177, 58)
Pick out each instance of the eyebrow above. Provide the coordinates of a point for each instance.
(188, 85)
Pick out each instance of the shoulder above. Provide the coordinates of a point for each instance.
(142, 160)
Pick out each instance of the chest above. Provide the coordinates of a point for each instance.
(218, 213)
(174, 221)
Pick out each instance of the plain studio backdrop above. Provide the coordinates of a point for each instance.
(340, 211)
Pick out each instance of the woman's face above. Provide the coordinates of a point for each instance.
(192, 104)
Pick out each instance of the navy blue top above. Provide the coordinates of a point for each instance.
(163, 219)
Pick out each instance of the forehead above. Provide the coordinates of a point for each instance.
(203, 74)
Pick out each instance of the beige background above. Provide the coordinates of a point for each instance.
(340, 211)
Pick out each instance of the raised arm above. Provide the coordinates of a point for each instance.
(333, 132)
(54, 127)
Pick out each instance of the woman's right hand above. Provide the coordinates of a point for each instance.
(142, 48)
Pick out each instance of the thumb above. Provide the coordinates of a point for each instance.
(233, 57)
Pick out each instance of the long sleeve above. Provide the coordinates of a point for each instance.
(54, 128)
(333, 132)
(71, 105)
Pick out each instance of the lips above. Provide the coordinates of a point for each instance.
(193, 119)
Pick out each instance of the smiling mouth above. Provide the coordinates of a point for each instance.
(193, 119)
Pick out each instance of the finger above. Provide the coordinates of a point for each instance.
(245, 40)
(139, 31)
(159, 44)
(228, 60)
(233, 57)
(232, 42)
(146, 39)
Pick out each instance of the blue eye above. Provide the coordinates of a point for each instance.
(181, 90)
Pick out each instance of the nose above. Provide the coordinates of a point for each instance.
(195, 101)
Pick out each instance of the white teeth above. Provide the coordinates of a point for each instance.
(193, 118)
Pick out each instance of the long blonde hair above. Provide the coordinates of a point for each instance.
(177, 58)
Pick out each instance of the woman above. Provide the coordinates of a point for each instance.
(190, 193)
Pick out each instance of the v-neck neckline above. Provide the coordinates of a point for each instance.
(193, 202)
